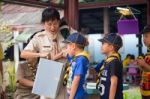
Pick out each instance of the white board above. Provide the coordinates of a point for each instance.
(47, 78)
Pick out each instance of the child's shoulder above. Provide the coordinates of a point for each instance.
(82, 58)
(113, 59)
(115, 62)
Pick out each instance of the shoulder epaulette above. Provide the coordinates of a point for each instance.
(41, 35)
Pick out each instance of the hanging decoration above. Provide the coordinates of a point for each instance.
(127, 25)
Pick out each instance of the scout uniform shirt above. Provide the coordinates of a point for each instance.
(23, 92)
(45, 42)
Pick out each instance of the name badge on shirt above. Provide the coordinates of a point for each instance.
(47, 48)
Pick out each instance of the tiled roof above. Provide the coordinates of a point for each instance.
(17, 15)
(20, 15)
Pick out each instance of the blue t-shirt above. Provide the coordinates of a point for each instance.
(79, 66)
(114, 68)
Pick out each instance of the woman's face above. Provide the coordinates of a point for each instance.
(52, 26)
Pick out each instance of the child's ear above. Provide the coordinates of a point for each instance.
(112, 48)
(73, 45)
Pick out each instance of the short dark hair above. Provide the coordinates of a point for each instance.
(128, 55)
(116, 48)
(132, 57)
(80, 46)
(146, 29)
(50, 14)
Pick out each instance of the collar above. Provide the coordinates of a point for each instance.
(113, 56)
(51, 36)
(83, 53)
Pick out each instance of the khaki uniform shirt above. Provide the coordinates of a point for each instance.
(23, 92)
(44, 42)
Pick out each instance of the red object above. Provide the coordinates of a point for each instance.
(147, 59)
(146, 86)
(148, 78)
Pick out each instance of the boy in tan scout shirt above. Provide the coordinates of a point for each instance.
(48, 44)
(25, 78)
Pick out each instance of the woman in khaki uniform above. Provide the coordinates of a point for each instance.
(25, 78)
(48, 44)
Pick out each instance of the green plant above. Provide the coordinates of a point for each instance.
(133, 93)
(11, 77)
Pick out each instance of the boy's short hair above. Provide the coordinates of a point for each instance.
(50, 14)
(78, 39)
(113, 39)
(132, 57)
(146, 29)
(116, 48)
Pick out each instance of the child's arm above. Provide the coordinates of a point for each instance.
(20, 77)
(26, 82)
(113, 87)
(97, 68)
(74, 86)
(142, 63)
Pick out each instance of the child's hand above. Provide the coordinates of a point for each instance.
(141, 62)
(64, 52)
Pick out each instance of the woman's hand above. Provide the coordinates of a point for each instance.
(44, 55)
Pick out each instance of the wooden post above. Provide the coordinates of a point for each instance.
(66, 10)
(106, 21)
(71, 13)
